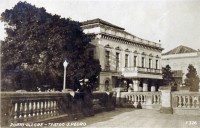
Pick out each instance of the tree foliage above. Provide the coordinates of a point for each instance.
(192, 79)
(167, 75)
(37, 44)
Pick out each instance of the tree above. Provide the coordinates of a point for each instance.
(192, 79)
(38, 42)
(167, 75)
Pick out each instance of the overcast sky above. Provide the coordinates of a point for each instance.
(174, 22)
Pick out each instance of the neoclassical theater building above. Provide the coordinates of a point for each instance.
(126, 60)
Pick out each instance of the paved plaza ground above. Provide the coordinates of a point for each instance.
(140, 118)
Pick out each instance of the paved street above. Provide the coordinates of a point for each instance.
(140, 118)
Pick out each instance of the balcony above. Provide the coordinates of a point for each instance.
(141, 72)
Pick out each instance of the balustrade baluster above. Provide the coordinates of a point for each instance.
(29, 109)
(20, 110)
(129, 99)
(16, 111)
(126, 98)
(179, 101)
(34, 108)
(188, 103)
(157, 96)
(139, 99)
(38, 109)
(48, 108)
(55, 108)
(136, 101)
(41, 108)
(193, 101)
(184, 102)
(133, 98)
(45, 108)
(144, 99)
(51, 107)
(158, 99)
(154, 99)
(25, 111)
(197, 102)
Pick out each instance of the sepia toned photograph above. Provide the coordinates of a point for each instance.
(100, 63)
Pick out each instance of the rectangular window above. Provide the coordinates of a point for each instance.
(135, 61)
(117, 60)
(150, 63)
(143, 61)
(156, 64)
(107, 57)
(126, 60)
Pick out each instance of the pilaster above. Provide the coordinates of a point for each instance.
(136, 85)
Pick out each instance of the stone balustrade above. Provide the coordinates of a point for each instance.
(149, 100)
(186, 102)
(21, 107)
(33, 106)
(142, 69)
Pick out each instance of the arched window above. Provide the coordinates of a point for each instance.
(106, 85)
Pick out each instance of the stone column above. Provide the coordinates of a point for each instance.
(145, 86)
(130, 88)
(166, 106)
(136, 85)
(153, 88)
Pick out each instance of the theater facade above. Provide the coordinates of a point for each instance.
(126, 60)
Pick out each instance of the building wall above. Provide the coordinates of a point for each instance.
(182, 61)
(100, 54)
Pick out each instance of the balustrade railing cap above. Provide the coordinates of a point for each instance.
(165, 88)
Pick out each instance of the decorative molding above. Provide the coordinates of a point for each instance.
(118, 48)
(136, 52)
(143, 53)
(150, 55)
(108, 46)
(157, 56)
(127, 50)
(126, 41)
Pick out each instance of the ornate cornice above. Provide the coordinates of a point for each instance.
(129, 42)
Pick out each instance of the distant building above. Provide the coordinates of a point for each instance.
(126, 60)
(179, 59)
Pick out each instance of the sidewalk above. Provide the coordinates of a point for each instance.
(140, 118)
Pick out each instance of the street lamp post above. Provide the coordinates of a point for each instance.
(64, 82)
